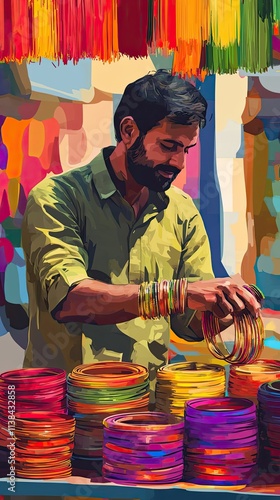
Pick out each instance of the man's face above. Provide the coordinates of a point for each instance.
(155, 160)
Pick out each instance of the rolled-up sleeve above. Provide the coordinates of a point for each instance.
(195, 265)
(51, 240)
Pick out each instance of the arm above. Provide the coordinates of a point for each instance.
(195, 265)
(55, 252)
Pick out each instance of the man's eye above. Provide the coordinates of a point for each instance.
(167, 148)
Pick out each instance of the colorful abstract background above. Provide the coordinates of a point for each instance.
(56, 117)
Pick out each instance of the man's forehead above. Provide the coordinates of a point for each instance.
(177, 132)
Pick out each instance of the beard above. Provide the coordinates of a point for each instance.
(145, 175)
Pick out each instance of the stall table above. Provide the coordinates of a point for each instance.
(84, 487)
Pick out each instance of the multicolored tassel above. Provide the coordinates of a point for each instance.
(206, 36)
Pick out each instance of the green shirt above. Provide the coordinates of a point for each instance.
(77, 225)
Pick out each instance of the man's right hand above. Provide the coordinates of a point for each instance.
(221, 296)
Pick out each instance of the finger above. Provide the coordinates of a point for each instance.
(218, 311)
(222, 306)
(237, 304)
(250, 302)
(240, 298)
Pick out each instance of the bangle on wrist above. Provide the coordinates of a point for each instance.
(157, 299)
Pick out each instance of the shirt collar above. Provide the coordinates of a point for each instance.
(101, 177)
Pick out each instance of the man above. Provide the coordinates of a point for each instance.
(91, 236)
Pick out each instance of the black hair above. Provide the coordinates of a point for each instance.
(160, 95)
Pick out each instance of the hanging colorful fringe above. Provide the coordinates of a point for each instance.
(192, 30)
(88, 28)
(161, 35)
(44, 29)
(206, 36)
(276, 10)
(256, 36)
(132, 26)
(16, 22)
(222, 51)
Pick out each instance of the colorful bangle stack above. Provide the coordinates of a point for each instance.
(96, 391)
(244, 381)
(162, 298)
(269, 427)
(143, 448)
(180, 382)
(220, 441)
(35, 389)
(30, 389)
(249, 335)
(44, 445)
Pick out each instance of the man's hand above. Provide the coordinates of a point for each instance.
(221, 296)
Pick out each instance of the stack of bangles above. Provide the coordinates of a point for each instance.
(43, 445)
(269, 427)
(220, 444)
(244, 381)
(180, 382)
(143, 448)
(96, 391)
(164, 298)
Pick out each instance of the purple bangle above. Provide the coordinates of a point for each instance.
(136, 475)
(150, 421)
(227, 428)
(222, 445)
(210, 407)
(129, 446)
(143, 448)
(142, 462)
(269, 424)
(146, 438)
(194, 434)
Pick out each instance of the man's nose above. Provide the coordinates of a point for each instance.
(178, 160)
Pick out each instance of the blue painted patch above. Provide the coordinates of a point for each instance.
(272, 343)
(178, 359)
(15, 280)
(71, 81)
(156, 453)
(8, 84)
(241, 151)
(162, 62)
(265, 264)
(276, 203)
(270, 172)
(3, 329)
(270, 286)
(183, 353)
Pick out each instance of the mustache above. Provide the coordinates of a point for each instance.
(167, 168)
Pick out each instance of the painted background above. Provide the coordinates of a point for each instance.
(54, 118)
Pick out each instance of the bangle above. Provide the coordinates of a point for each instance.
(249, 335)
(161, 299)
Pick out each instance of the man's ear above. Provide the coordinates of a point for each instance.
(129, 130)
